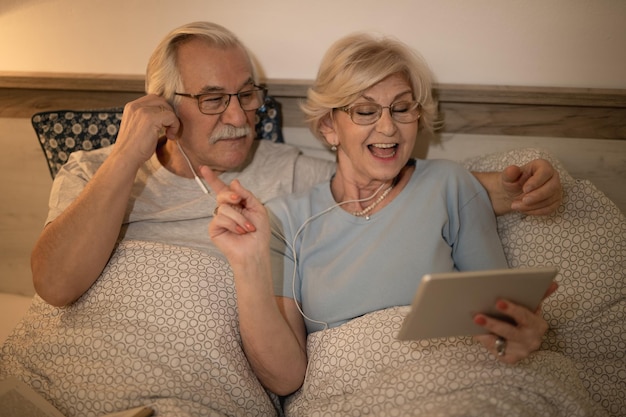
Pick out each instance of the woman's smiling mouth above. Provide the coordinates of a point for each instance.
(383, 150)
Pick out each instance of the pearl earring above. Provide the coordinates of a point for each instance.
(333, 148)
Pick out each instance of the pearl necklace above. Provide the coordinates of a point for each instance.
(369, 208)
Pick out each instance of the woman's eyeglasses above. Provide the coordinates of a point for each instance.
(368, 113)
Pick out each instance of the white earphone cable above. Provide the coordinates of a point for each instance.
(291, 247)
(203, 187)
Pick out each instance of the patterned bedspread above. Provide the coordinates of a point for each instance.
(159, 328)
(359, 368)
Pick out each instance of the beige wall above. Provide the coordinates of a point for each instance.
(568, 43)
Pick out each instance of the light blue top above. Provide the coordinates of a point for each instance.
(349, 266)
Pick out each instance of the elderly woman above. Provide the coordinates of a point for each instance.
(360, 242)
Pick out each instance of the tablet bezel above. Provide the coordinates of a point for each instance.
(445, 303)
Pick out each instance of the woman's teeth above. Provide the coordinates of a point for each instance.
(384, 150)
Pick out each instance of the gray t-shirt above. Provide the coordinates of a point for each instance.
(167, 208)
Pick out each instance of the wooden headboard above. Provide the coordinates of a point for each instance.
(585, 128)
(474, 109)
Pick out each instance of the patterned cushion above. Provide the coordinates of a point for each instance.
(62, 132)
(269, 121)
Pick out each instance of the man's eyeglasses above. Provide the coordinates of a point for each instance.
(217, 103)
(368, 113)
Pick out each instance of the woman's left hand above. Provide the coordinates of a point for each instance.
(520, 339)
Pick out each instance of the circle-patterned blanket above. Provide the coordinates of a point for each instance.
(159, 328)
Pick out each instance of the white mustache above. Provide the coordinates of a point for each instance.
(229, 131)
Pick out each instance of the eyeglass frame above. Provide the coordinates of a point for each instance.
(255, 87)
(348, 110)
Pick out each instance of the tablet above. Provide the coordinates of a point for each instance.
(445, 303)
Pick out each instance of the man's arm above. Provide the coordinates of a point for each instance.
(74, 248)
(534, 188)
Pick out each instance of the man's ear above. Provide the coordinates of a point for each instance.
(327, 129)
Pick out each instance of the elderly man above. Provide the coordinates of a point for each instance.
(202, 94)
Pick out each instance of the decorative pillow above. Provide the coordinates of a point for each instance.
(159, 328)
(269, 121)
(586, 240)
(62, 132)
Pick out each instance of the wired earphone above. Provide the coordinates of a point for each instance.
(203, 187)
(290, 245)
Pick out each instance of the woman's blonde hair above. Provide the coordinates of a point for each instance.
(162, 74)
(357, 62)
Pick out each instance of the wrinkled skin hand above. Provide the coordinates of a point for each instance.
(522, 338)
(534, 188)
(146, 121)
(240, 227)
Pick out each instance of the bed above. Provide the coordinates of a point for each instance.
(125, 343)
